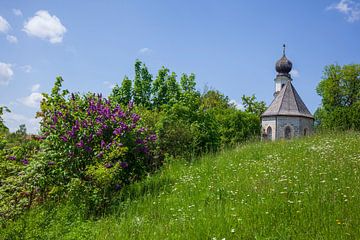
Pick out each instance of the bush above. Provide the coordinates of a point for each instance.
(91, 147)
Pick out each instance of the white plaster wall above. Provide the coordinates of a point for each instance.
(283, 122)
(279, 123)
(269, 121)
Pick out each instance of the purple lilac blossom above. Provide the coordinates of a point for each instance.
(108, 165)
(124, 164)
(80, 144)
(64, 138)
(25, 161)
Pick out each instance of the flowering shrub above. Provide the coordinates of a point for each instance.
(17, 190)
(92, 145)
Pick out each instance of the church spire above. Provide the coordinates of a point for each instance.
(284, 46)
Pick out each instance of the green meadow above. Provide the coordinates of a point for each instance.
(300, 189)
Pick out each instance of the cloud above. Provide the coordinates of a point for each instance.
(26, 68)
(45, 26)
(236, 104)
(17, 12)
(295, 73)
(4, 25)
(145, 51)
(35, 87)
(349, 8)
(11, 39)
(13, 120)
(5, 73)
(33, 100)
(109, 84)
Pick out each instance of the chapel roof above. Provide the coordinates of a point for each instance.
(287, 103)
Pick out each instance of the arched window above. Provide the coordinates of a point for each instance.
(305, 131)
(287, 132)
(282, 85)
(269, 133)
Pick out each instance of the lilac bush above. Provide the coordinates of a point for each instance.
(88, 138)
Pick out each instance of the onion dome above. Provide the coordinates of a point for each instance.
(283, 65)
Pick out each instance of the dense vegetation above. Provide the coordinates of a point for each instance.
(340, 92)
(127, 166)
(302, 189)
(90, 147)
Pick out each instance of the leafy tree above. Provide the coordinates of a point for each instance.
(137, 91)
(340, 92)
(172, 88)
(3, 128)
(21, 131)
(122, 95)
(252, 105)
(146, 86)
(159, 89)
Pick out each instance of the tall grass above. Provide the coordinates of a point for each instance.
(307, 188)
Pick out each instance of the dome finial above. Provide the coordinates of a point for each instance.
(284, 46)
(283, 65)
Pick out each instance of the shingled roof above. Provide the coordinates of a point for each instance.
(287, 103)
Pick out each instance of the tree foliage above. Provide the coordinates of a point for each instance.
(340, 92)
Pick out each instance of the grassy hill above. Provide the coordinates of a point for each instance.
(302, 189)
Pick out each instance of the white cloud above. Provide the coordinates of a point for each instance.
(35, 87)
(236, 104)
(350, 8)
(4, 25)
(26, 68)
(5, 73)
(109, 84)
(33, 100)
(17, 12)
(11, 39)
(145, 51)
(295, 73)
(13, 120)
(45, 26)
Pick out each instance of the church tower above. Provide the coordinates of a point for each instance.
(287, 116)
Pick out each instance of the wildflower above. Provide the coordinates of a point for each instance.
(12, 158)
(51, 163)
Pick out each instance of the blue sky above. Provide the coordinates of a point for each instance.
(231, 46)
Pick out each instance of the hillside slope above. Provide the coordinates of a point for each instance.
(301, 189)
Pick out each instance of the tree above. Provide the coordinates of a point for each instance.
(340, 92)
(3, 128)
(122, 95)
(252, 105)
(137, 91)
(159, 89)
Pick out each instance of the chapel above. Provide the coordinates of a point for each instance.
(287, 116)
